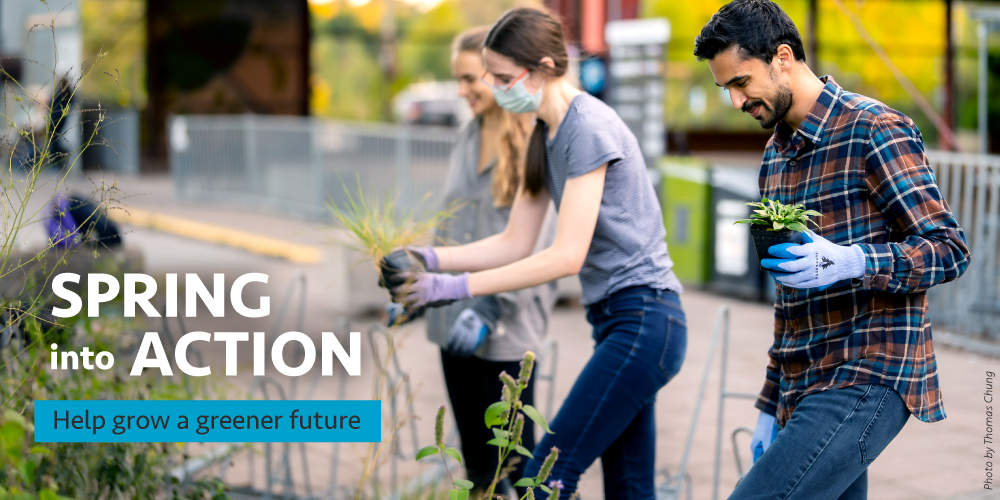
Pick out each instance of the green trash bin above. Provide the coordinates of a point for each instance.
(686, 201)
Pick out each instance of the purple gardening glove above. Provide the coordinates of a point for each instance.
(433, 289)
(429, 255)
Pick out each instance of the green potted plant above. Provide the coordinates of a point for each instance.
(773, 223)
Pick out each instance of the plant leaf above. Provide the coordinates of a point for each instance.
(524, 451)
(537, 417)
(500, 433)
(453, 453)
(525, 482)
(545, 488)
(501, 442)
(464, 483)
(796, 226)
(427, 451)
(493, 413)
(778, 226)
(459, 494)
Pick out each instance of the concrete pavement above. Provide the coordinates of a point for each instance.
(926, 461)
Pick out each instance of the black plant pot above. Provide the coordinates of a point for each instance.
(764, 239)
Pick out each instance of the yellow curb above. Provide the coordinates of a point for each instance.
(211, 233)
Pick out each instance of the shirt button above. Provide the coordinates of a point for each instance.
(791, 163)
(468, 236)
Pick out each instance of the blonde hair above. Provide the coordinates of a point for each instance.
(509, 169)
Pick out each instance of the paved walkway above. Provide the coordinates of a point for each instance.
(927, 461)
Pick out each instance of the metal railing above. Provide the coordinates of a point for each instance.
(971, 184)
(296, 165)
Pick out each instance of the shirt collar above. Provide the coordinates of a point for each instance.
(811, 128)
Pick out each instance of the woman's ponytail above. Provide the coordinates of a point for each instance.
(534, 163)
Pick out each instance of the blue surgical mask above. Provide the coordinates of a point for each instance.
(517, 99)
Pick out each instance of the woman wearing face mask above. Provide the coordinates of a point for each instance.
(483, 336)
(610, 231)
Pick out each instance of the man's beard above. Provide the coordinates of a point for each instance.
(782, 100)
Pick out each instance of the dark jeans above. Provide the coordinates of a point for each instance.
(641, 337)
(824, 450)
(473, 385)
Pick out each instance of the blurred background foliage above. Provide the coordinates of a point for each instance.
(117, 27)
(350, 78)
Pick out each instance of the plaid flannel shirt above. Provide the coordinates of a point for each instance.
(862, 165)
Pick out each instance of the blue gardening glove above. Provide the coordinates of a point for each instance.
(817, 263)
(397, 315)
(764, 434)
(468, 332)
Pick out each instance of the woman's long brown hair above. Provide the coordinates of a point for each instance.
(526, 35)
(508, 171)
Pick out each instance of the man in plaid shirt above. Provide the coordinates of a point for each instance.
(852, 356)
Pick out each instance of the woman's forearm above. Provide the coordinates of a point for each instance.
(487, 253)
(580, 207)
(545, 266)
(516, 242)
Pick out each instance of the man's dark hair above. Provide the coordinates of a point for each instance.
(757, 27)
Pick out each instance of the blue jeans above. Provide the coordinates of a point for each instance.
(641, 337)
(824, 450)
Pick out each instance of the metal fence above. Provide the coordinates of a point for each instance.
(971, 184)
(296, 165)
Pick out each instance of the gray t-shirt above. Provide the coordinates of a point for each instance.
(628, 247)
(524, 314)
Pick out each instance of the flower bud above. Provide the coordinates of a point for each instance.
(439, 428)
(515, 435)
(508, 382)
(526, 365)
(550, 461)
(506, 397)
(556, 486)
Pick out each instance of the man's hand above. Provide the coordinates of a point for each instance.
(817, 263)
(763, 435)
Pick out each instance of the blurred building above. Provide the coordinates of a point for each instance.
(223, 57)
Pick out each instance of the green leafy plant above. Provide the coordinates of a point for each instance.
(507, 420)
(776, 216)
(461, 486)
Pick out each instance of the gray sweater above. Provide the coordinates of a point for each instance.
(524, 314)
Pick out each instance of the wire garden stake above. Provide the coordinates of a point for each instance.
(671, 489)
(396, 379)
(723, 395)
